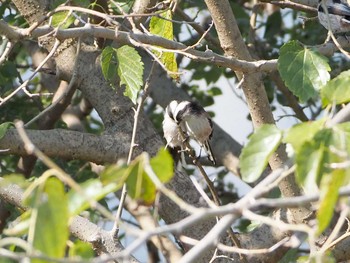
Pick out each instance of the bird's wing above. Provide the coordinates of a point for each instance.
(208, 150)
(339, 9)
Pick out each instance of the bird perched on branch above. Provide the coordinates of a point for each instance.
(334, 15)
(194, 122)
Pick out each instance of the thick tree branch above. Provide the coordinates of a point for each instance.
(69, 145)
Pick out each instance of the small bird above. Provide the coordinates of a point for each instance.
(193, 120)
(334, 15)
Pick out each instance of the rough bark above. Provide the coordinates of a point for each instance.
(233, 45)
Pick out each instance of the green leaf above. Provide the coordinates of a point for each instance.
(329, 196)
(256, 153)
(315, 158)
(16, 179)
(82, 250)
(126, 63)
(336, 173)
(92, 189)
(20, 226)
(57, 3)
(163, 165)
(114, 174)
(4, 127)
(62, 20)
(130, 71)
(109, 63)
(290, 256)
(337, 90)
(309, 164)
(163, 27)
(302, 132)
(51, 225)
(304, 71)
(139, 185)
(214, 91)
(344, 129)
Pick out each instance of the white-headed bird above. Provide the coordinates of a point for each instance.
(194, 122)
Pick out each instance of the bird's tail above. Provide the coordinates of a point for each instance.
(208, 150)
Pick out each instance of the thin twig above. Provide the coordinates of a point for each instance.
(347, 54)
(170, 194)
(339, 239)
(200, 39)
(193, 242)
(5, 54)
(202, 193)
(168, 45)
(342, 218)
(196, 26)
(115, 229)
(32, 149)
(210, 185)
(129, 18)
(24, 84)
(69, 90)
(142, 98)
(133, 144)
(277, 223)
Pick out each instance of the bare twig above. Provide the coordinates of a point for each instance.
(133, 144)
(200, 30)
(231, 249)
(68, 92)
(347, 54)
(56, 170)
(32, 149)
(331, 238)
(170, 194)
(25, 83)
(201, 38)
(210, 185)
(292, 5)
(277, 223)
(124, 38)
(5, 54)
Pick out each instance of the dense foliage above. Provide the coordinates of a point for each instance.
(83, 85)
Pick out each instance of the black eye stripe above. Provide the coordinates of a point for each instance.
(170, 114)
(180, 114)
